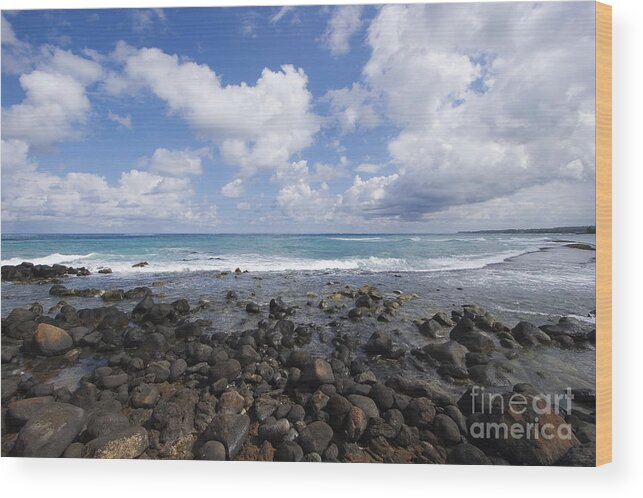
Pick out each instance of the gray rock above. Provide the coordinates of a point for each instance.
(379, 343)
(528, 334)
(229, 429)
(50, 431)
(420, 412)
(367, 405)
(446, 429)
(49, 340)
(289, 451)
(144, 396)
(129, 443)
(20, 411)
(212, 450)
(315, 437)
(104, 423)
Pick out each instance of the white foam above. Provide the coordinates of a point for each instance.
(356, 239)
(51, 259)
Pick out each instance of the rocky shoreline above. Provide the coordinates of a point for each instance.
(167, 384)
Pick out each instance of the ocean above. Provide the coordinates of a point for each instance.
(533, 277)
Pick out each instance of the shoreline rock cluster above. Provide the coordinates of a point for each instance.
(30, 273)
(169, 385)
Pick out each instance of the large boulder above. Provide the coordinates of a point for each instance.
(450, 352)
(50, 340)
(50, 431)
(19, 412)
(568, 326)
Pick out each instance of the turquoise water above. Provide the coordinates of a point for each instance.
(178, 253)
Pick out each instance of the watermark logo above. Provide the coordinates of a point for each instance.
(517, 415)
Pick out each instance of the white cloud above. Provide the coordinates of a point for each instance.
(345, 21)
(138, 197)
(301, 202)
(8, 35)
(124, 121)
(178, 163)
(368, 168)
(233, 189)
(55, 106)
(281, 13)
(244, 206)
(352, 107)
(145, 19)
(485, 106)
(256, 126)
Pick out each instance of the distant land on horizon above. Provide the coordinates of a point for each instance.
(581, 229)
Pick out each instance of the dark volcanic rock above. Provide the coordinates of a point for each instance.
(103, 423)
(316, 372)
(174, 416)
(466, 333)
(420, 412)
(229, 429)
(289, 451)
(315, 437)
(528, 334)
(379, 343)
(50, 431)
(467, 454)
(212, 450)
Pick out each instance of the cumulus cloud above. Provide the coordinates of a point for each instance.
(489, 100)
(301, 202)
(29, 194)
(256, 126)
(177, 163)
(344, 22)
(124, 121)
(55, 106)
(352, 107)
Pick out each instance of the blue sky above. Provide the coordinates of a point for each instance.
(298, 119)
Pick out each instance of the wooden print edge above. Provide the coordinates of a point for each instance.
(603, 233)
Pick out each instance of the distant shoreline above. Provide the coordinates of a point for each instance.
(575, 230)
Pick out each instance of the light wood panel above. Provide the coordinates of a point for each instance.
(603, 234)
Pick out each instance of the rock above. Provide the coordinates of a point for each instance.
(486, 375)
(144, 396)
(129, 443)
(50, 431)
(181, 306)
(252, 307)
(74, 450)
(265, 406)
(177, 369)
(113, 381)
(367, 405)
(420, 412)
(450, 352)
(212, 450)
(20, 411)
(140, 265)
(443, 319)
(50, 340)
(446, 429)
(173, 416)
(383, 396)
(528, 334)
(159, 370)
(228, 369)
(113, 295)
(363, 301)
(104, 423)
(274, 431)
(316, 372)
(356, 423)
(289, 451)
(231, 402)
(433, 329)
(315, 437)
(229, 429)
(474, 339)
(105, 270)
(467, 454)
(379, 343)
(568, 326)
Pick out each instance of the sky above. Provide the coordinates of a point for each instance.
(395, 118)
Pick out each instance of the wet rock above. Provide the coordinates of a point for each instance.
(379, 343)
(474, 339)
(433, 329)
(142, 264)
(50, 340)
(113, 295)
(568, 326)
(252, 307)
(450, 352)
(129, 443)
(363, 301)
(229, 429)
(528, 334)
(50, 431)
